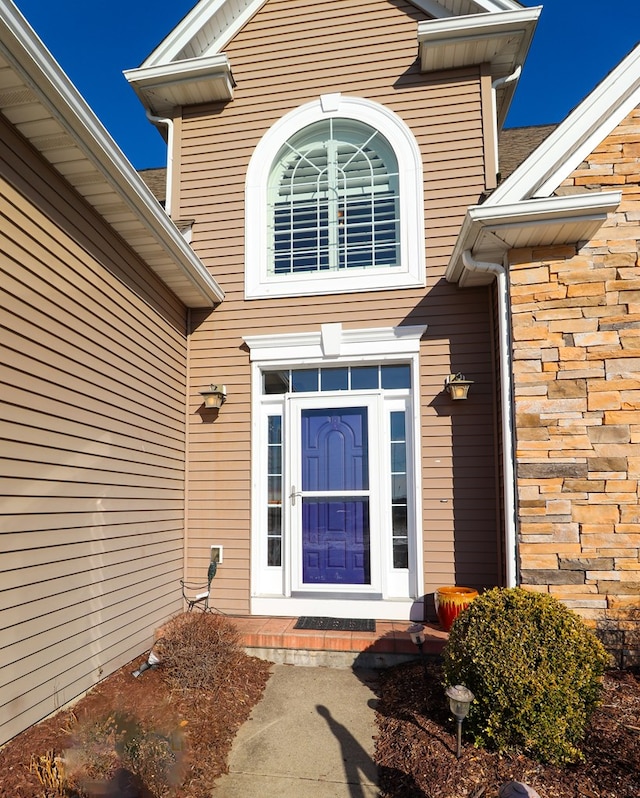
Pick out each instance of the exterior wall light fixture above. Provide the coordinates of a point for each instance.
(214, 396)
(458, 386)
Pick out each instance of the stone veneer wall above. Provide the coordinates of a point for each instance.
(576, 339)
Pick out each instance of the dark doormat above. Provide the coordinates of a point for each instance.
(336, 624)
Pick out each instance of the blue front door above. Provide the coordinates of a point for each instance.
(335, 498)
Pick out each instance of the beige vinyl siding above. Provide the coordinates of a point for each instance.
(92, 440)
(289, 54)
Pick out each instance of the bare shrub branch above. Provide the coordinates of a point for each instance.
(200, 651)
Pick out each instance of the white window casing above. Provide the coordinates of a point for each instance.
(409, 271)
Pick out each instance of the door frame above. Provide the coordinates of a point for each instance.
(330, 345)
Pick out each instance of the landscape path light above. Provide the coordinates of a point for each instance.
(460, 698)
(416, 632)
(153, 660)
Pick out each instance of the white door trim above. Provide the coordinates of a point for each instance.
(376, 345)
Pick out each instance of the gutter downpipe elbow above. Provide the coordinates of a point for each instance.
(498, 84)
(506, 397)
(159, 120)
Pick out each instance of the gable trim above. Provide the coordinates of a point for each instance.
(240, 12)
(221, 20)
(585, 127)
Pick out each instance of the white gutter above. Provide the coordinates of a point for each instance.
(53, 90)
(474, 27)
(495, 228)
(506, 396)
(160, 120)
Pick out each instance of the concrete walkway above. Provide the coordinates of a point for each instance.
(311, 736)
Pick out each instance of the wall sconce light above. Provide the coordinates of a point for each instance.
(460, 698)
(214, 397)
(458, 386)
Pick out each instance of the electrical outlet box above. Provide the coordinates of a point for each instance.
(216, 554)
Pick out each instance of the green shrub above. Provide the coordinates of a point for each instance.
(535, 670)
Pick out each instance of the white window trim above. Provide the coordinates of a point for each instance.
(411, 271)
(332, 345)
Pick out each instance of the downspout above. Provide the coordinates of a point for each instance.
(159, 120)
(506, 396)
(498, 84)
(187, 450)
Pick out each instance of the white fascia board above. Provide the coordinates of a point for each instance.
(36, 66)
(482, 221)
(189, 69)
(170, 48)
(455, 30)
(575, 138)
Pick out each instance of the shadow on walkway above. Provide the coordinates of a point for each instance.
(358, 765)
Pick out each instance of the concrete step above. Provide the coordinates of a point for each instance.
(276, 640)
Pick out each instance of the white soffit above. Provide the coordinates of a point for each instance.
(501, 39)
(489, 232)
(45, 107)
(575, 138)
(206, 29)
(191, 82)
(460, 8)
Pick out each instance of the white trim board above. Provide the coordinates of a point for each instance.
(303, 347)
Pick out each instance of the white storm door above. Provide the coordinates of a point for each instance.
(334, 451)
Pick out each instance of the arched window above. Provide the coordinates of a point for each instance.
(334, 202)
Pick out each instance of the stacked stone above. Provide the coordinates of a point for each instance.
(576, 347)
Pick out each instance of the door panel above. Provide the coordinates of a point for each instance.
(335, 524)
(335, 449)
(335, 541)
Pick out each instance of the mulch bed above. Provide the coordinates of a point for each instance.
(212, 720)
(416, 745)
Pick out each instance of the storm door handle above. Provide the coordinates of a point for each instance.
(293, 495)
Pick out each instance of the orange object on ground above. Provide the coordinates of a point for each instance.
(450, 601)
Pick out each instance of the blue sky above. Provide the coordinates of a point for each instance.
(576, 44)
